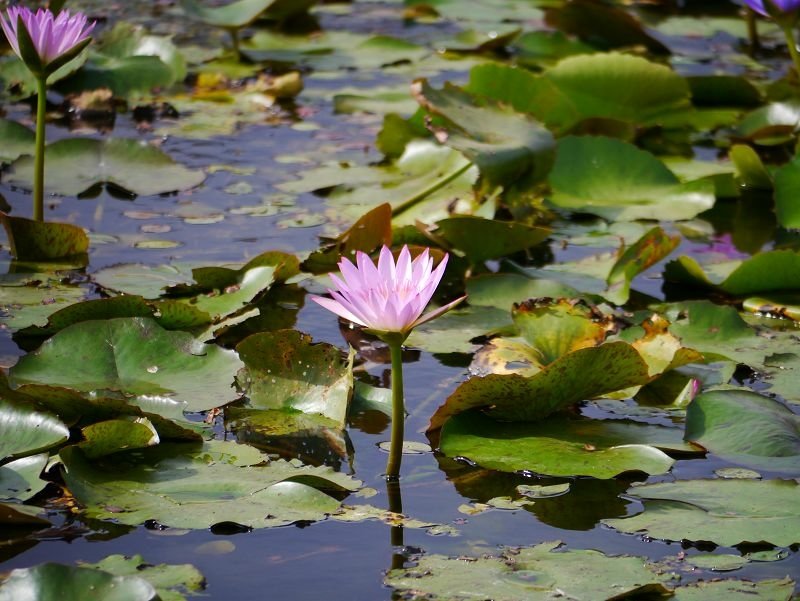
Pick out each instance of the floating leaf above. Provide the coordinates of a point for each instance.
(76, 164)
(20, 479)
(33, 240)
(642, 254)
(578, 376)
(746, 428)
(726, 512)
(116, 435)
(242, 12)
(169, 580)
(736, 590)
(52, 581)
(134, 356)
(617, 181)
(193, 486)
(505, 145)
(787, 189)
(25, 431)
(17, 140)
(483, 239)
(285, 370)
(559, 446)
(534, 573)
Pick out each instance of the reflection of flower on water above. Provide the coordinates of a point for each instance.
(722, 244)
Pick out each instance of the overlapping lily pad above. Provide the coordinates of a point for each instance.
(26, 431)
(198, 486)
(76, 164)
(726, 512)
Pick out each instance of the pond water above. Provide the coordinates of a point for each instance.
(245, 207)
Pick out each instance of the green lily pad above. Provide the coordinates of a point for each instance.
(747, 429)
(192, 486)
(17, 140)
(483, 239)
(20, 479)
(503, 290)
(116, 435)
(454, 331)
(617, 181)
(76, 164)
(726, 512)
(736, 590)
(559, 446)
(171, 581)
(54, 582)
(25, 431)
(242, 12)
(771, 271)
(285, 370)
(770, 125)
(787, 188)
(751, 170)
(578, 376)
(134, 356)
(504, 144)
(533, 573)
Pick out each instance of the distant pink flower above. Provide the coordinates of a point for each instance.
(783, 6)
(389, 297)
(52, 36)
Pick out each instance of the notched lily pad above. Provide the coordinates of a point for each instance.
(76, 164)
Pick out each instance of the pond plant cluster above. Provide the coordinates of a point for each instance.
(600, 199)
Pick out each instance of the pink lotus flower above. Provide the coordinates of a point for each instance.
(389, 297)
(52, 37)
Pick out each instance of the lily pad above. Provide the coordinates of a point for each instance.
(644, 253)
(483, 239)
(134, 356)
(242, 12)
(76, 164)
(736, 590)
(20, 479)
(505, 145)
(771, 271)
(25, 431)
(54, 582)
(578, 376)
(534, 573)
(747, 429)
(617, 181)
(17, 140)
(559, 446)
(169, 580)
(285, 370)
(725, 512)
(33, 240)
(787, 188)
(193, 486)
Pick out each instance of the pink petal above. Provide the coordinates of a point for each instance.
(437, 312)
(335, 307)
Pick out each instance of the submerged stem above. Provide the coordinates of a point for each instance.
(398, 411)
(38, 166)
(434, 187)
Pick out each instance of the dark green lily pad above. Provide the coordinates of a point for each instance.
(560, 446)
(532, 573)
(17, 140)
(193, 486)
(726, 512)
(134, 356)
(736, 590)
(25, 431)
(617, 181)
(483, 239)
(746, 428)
(787, 189)
(171, 581)
(578, 376)
(32, 240)
(116, 435)
(454, 331)
(504, 144)
(76, 164)
(771, 271)
(750, 169)
(285, 370)
(54, 582)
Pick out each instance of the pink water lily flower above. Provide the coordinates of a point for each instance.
(783, 6)
(52, 36)
(388, 297)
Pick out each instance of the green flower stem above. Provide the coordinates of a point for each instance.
(788, 32)
(752, 29)
(38, 168)
(398, 410)
(234, 31)
(434, 187)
